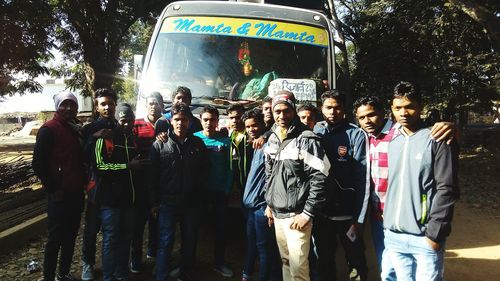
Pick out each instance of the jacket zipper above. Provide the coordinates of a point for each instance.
(129, 171)
(424, 208)
(401, 184)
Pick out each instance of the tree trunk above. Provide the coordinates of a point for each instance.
(101, 66)
(346, 74)
(483, 16)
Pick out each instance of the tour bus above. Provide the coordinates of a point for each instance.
(228, 52)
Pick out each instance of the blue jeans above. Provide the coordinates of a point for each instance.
(261, 241)
(377, 227)
(92, 227)
(167, 218)
(412, 257)
(117, 230)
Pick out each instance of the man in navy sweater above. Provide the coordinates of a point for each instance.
(261, 240)
(348, 190)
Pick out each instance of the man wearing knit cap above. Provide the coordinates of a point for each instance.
(296, 169)
(63, 179)
(116, 162)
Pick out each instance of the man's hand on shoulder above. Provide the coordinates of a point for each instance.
(162, 137)
(258, 143)
(443, 131)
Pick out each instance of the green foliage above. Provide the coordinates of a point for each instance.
(445, 53)
(94, 33)
(43, 116)
(24, 43)
(438, 45)
(136, 44)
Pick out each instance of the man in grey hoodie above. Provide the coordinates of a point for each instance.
(421, 194)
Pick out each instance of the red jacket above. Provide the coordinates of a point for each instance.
(58, 157)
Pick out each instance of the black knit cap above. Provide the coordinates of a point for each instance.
(124, 110)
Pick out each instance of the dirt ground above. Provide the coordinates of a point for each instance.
(473, 252)
(473, 249)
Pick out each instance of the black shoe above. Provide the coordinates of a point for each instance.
(135, 267)
(191, 276)
(67, 277)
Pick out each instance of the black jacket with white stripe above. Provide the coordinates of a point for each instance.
(296, 170)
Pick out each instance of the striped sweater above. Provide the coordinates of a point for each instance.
(116, 181)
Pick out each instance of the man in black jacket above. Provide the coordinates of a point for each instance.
(348, 191)
(116, 162)
(105, 105)
(296, 170)
(176, 177)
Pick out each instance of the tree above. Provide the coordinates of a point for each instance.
(26, 37)
(345, 72)
(485, 14)
(438, 48)
(93, 33)
(136, 43)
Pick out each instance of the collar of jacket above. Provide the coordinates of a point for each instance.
(173, 137)
(118, 133)
(295, 129)
(337, 126)
(107, 121)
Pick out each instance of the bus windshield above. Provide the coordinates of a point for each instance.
(231, 64)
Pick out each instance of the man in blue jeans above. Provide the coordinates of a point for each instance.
(176, 177)
(421, 194)
(115, 161)
(105, 104)
(261, 240)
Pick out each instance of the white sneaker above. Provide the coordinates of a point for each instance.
(224, 270)
(88, 272)
(174, 273)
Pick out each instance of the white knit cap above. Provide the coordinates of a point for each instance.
(62, 96)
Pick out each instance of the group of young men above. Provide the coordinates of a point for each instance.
(304, 184)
